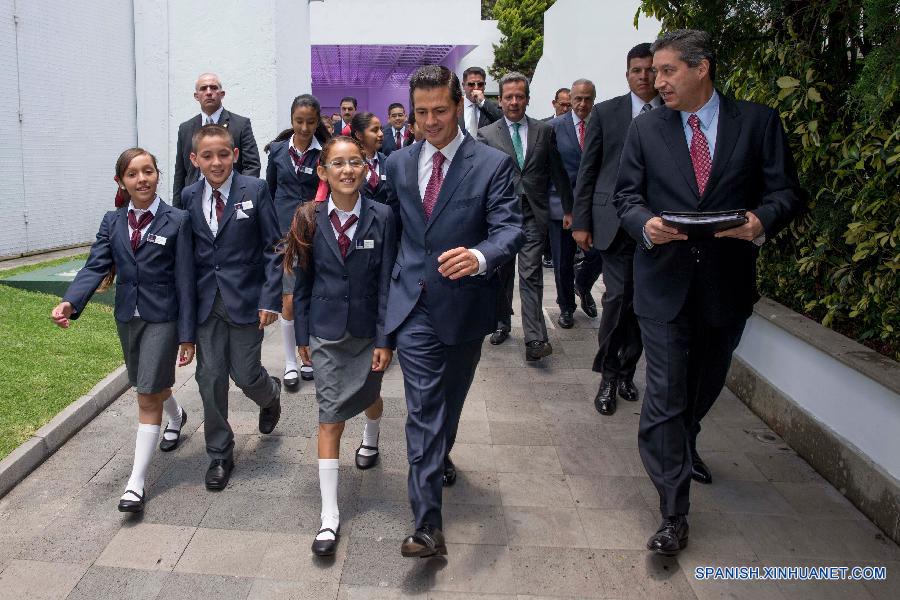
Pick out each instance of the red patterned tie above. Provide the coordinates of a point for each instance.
(434, 184)
(399, 140)
(373, 174)
(343, 240)
(136, 225)
(581, 134)
(297, 158)
(699, 154)
(346, 130)
(220, 205)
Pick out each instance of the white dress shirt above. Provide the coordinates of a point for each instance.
(313, 145)
(471, 114)
(708, 115)
(215, 116)
(637, 105)
(154, 206)
(209, 205)
(343, 216)
(523, 133)
(425, 166)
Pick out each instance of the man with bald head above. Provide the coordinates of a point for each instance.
(208, 92)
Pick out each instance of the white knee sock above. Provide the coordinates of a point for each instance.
(370, 436)
(173, 413)
(290, 344)
(328, 485)
(144, 446)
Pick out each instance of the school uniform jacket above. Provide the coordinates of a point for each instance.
(241, 262)
(335, 295)
(381, 192)
(287, 187)
(157, 278)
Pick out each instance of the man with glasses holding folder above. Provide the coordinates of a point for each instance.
(700, 153)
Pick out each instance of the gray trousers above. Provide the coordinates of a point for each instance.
(531, 281)
(226, 349)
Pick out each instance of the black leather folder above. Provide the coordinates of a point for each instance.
(704, 224)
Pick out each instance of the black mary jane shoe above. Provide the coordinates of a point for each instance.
(307, 373)
(326, 547)
(169, 445)
(132, 506)
(291, 379)
(366, 462)
(426, 541)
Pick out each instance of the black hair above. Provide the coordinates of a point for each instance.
(322, 133)
(560, 91)
(212, 130)
(430, 77)
(639, 51)
(693, 45)
(349, 99)
(514, 76)
(474, 71)
(395, 105)
(360, 122)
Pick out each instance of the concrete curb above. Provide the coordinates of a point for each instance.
(48, 439)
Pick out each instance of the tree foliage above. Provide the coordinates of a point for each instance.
(522, 24)
(829, 67)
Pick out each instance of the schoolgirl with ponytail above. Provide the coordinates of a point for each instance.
(147, 247)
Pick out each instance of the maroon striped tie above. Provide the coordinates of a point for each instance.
(136, 225)
(343, 240)
(699, 154)
(434, 184)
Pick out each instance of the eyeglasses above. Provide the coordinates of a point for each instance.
(475, 84)
(338, 164)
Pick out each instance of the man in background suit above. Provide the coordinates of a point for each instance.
(702, 151)
(348, 109)
(397, 134)
(208, 92)
(532, 145)
(570, 129)
(596, 228)
(562, 103)
(460, 222)
(477, 111)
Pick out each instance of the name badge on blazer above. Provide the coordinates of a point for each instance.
(245, 205)
(156, 239)
(239, 215)
(306, 170)
(365, 244)
(383, 177)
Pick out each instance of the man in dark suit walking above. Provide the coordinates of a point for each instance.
(702, 151)
(460, 222)
(208, 92)
(348, 109)
(397, 134)
(596, 228)
(532, 145)
(477, 111)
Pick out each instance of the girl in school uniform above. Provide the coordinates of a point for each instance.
(149, 245)
(291, 175)
(344, 248)
(366, 129)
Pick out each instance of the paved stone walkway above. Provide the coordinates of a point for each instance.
(552, 501)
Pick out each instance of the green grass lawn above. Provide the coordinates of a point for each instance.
(43, 368)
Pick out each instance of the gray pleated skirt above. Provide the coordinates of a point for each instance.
(345, 382)
(150, 351)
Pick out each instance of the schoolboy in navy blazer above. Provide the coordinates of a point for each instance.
(286, 185)
(381, 193)
(162, 288)
(241, 262)
(325, 304)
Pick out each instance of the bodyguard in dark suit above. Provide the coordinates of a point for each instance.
(398, 134)
(701, 152)
(239, 288)
(209, 93)
(596, 228)
(348, 109)
(532, 144)
(460, 222)
(477, 111)
(570, 130)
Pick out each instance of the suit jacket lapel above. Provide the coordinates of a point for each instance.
(531, 140)
(197, 215)
(571, 133)
(121, 227)
(323, 224)
(459, 168)
(673, 134)
(159, 220)
(506, 141)
(366, 216)
(412, 179)
(224, 118)
(729, 129)
(233, 193)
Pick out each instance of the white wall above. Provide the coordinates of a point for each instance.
(586, 38)
(483, 55)
(858, 409)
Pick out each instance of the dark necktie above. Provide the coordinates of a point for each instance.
(646, 108)
(373, 174)
(297, 158)
(136, 224)
(699, 154)
(343, 241)
(220, 205)
(399, 140)
(434, 184)
(581, 134)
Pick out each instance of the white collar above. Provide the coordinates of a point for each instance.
(637, 104)
(523, 121)
(154, 206)
(215, 116)
(224, 189)
(449, 151)
(357, 208)
(576, 119)
(313, 145)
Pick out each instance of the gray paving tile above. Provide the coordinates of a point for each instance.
(526, 459)
(818, 499)
(39, 580)
(190, 586)
(100, 583)
(224, 552)
(288, 558)
(146, 546)
(365, 592)
(567, 572)
(472, 524)
(783, 465)
(273, 448)
(543, 526)
(772, 536)
(268, 589)
(519, 433)
(473, 487)
(635, 574)
(609, 492)
(618, 529)
(535, 489)
(254, 512)
(735, 496)
(68, 540)
(712, 589)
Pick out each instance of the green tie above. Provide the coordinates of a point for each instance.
(517, 145)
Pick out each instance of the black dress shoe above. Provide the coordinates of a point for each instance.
(426, 541)
(307, 373)
(628, 391)
(699, 471)
(268, 416)
(291, 379)
(536, 350)
(326, 547)
(449, 477)
(366, 461)
(132, 506)
(218, 473)
(587, 302)
(169, 445)
(547, 262)
(605, 400)
(566, 320)
(499, 336)
(671, 537)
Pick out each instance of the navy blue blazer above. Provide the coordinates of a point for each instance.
(347, 295)
(287, 187)
(241, 262)
(157, 278)
(390, 144)
(569, 149)
(381, 192)
(477, 208)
